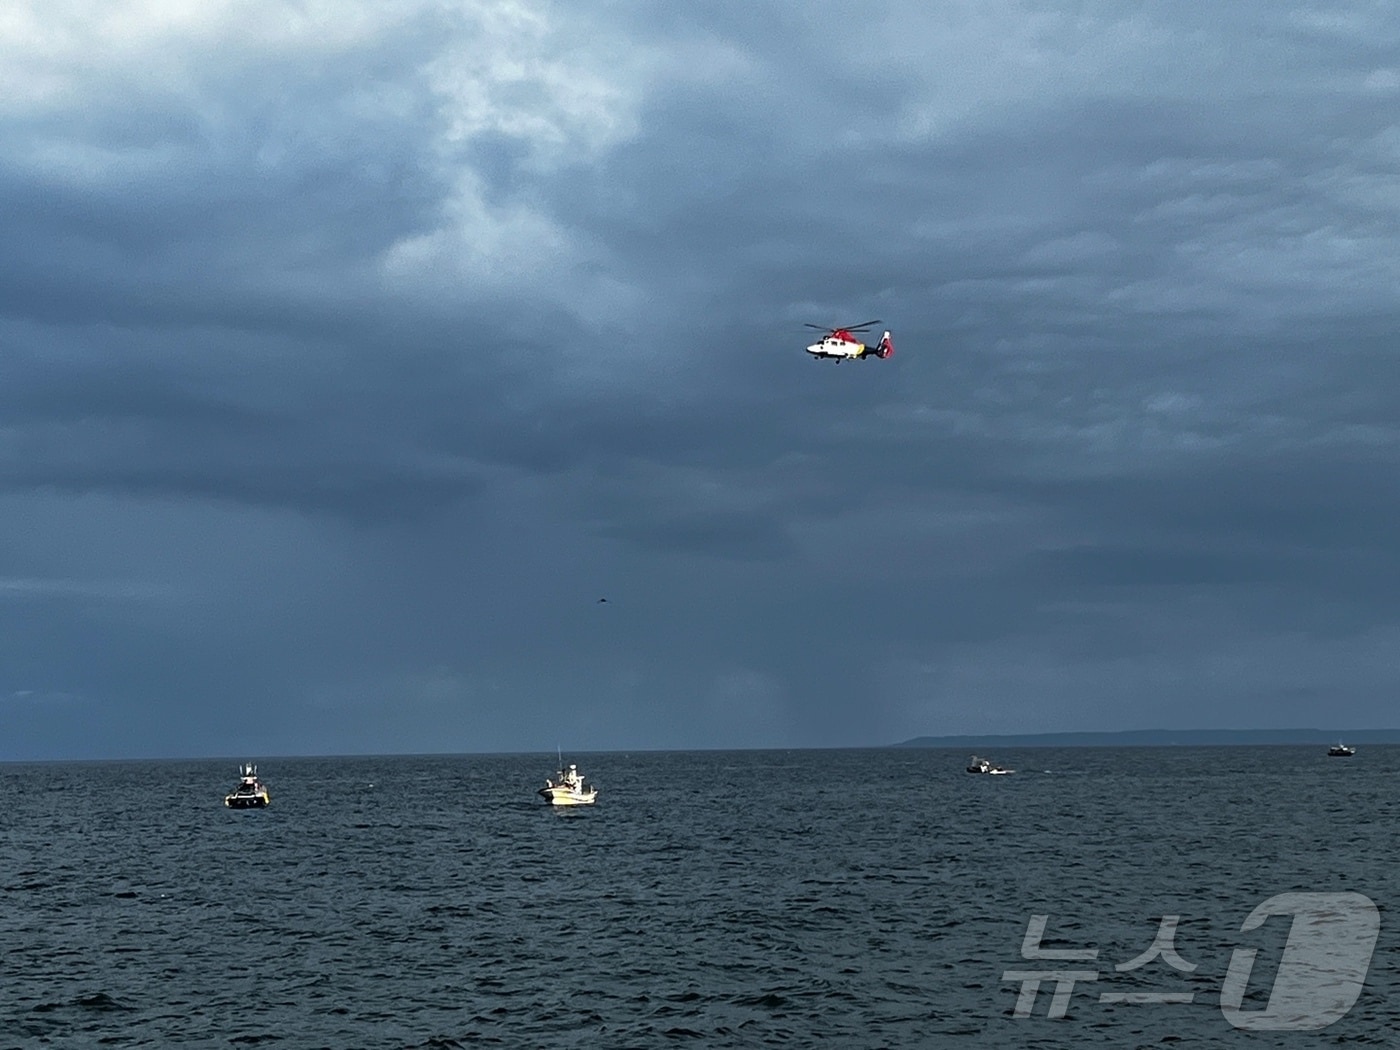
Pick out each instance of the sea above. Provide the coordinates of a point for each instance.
(806, 898)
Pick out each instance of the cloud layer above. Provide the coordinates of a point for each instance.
(347, 358)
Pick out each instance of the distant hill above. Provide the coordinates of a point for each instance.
(1162, 738)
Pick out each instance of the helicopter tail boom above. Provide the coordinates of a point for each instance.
(884, 347)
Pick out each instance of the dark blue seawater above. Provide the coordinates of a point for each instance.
(710, 899)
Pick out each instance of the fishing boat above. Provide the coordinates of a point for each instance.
(566, 788)
(250, 792)
(1341, 750)
(981, 765)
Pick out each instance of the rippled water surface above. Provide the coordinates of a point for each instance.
(710, 899)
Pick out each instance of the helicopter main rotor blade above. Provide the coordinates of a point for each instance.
(843, 327)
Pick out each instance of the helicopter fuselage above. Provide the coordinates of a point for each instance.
(840, 345)
(839, 349)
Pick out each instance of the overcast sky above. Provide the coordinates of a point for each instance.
(350, 352)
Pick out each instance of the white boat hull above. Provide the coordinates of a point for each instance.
(256, 801)
(563, 796)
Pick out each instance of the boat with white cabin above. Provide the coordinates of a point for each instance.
(1341, 751)
(251, 792)
(981, 765)
(566, 788)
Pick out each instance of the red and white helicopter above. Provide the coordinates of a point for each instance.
(840, 344)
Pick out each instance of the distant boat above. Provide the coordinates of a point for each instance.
(251, 792)
(566, 788)
(981, 765)
(1341, 750)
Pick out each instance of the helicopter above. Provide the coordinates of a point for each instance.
(840, 344)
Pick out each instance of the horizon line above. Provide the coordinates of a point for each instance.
(929, 742)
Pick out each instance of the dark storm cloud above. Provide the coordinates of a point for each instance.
(382, 344)
(249, 216)
(354, 491)
(745, 537)
(1129, 567)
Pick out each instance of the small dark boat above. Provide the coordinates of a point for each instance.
(981, 765)
(251, 792)
(1341, 751)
